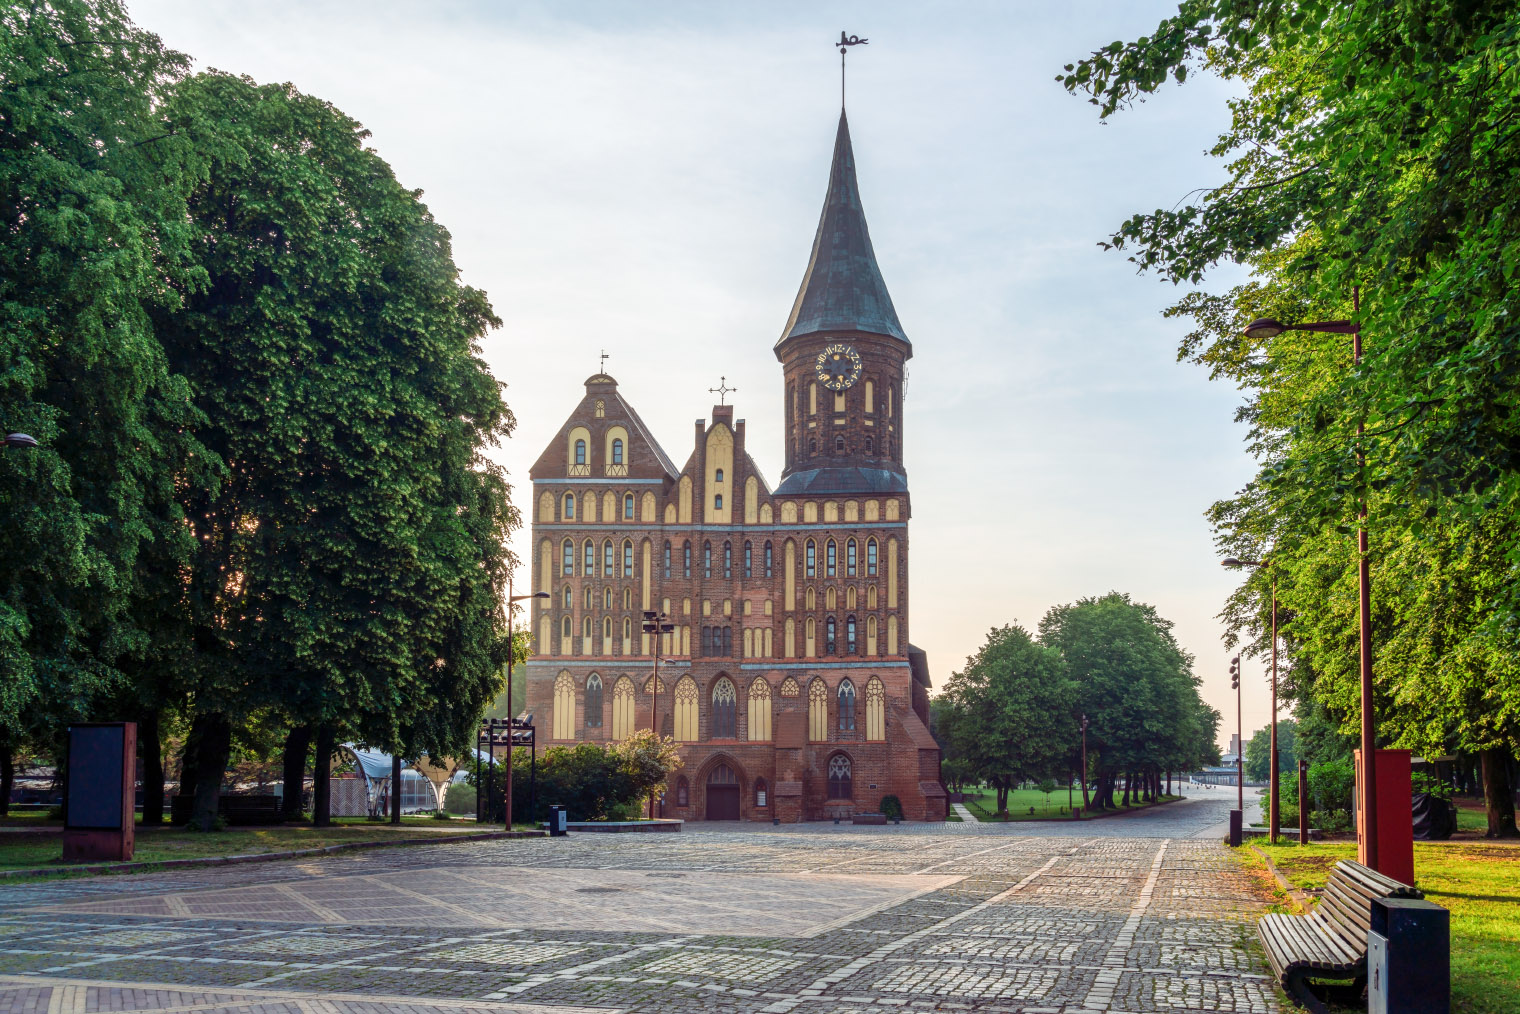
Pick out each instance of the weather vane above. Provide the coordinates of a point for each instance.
(722, 390)
(603, 368)
(845, 42)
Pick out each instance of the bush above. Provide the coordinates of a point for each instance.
(460, 798)
(1330, 820)
(1330, 785)
(891, 807)
(592, 782)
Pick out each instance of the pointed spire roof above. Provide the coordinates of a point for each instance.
(843, 289)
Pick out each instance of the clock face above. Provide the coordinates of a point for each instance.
(838, 367)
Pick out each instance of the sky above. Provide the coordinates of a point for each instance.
(645, 180)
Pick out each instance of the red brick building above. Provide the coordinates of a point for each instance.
(789, 679)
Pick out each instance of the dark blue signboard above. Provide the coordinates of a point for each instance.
(96, 759)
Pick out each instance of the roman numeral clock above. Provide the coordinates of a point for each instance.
(838, 367)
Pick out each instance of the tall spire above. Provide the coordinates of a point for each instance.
(842, 289)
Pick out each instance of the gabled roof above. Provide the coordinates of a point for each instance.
(551, 463)
(842, 289)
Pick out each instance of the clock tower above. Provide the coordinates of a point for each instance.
(843, 353)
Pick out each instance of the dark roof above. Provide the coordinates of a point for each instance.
(843, 289)
(842, 480)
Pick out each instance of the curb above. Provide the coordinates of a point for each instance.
(1299, 897)
(260, 857)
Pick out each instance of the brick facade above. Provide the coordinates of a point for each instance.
(790, 605)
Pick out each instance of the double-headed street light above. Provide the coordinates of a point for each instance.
(511, 715)
(1268, 328)
(656, 625)
(18, 441)
(1274, 818)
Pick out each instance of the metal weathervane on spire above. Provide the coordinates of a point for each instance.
(845, 42)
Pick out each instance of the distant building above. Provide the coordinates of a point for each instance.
(789, 678)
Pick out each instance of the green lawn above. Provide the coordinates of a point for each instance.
(983, 803)
(157, 844)
(1478, 883)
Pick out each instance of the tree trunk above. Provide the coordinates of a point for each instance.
(208, 746)
(151, 751)
(7, 776)
(1128, 781)
(297, 744)
(321, 772)
(1498, 795)
(1086, 800)
(1002, 799)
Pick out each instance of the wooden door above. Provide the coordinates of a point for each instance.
(722, 794)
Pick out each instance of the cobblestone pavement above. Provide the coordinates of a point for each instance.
(760, 920)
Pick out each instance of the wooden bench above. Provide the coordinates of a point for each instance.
(1331, 941)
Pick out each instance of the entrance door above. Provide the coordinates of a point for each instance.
(722, 794)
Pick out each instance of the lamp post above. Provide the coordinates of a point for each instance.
(1274, 812)
(19, 441)
(1086, 803)
(1240, 741)
(1268, 328)
(511, 736)
(656, 625)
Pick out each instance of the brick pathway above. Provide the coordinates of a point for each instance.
(744, 920)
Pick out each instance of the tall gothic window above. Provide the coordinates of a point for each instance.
(812, 559)
(724, 700)
(617, 451)
(849, 558)
(728, 559)
(627, 558)
(830, 558)
(569, 600)
(593, 701)
(686, 559)
(567, 559)
(767, 559)
(588, 559)
(871, 558)
(707, 559)
(828, 636)
(849, 635)
(580, 452)
(667, 557)
(841, 785)
(627, 506)
(569, 514)
(749, 560)
(607, 562)
(846, 706)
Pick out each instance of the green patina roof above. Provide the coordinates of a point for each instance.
(843, 289)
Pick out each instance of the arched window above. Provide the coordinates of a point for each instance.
(617, 452)
(586, 628)
(812, 560)
(667, 557)
(760, 793)
(566, 628)
(686, 559)
(871, 558)
(749, 560)
(829, 643)
(627, 558)
(683, 792)
(627, 598)
(841, 785)
(627, 624)
(569, 599)
(849, 558)
(717, 501)
(686, 710)
(846, 706)
(622, 709)
(818, 712)
(728, 559)
(830, 559)
(870, 447)
(580, 452)
(759, 711)
(564, 706)
(607, 627)
(569, 514)
(607, 562)
(707, 559)
(567, 559)
(627, 506)
(839, 445)
(767, 559)
(849, 636)
(876, 710)
(588, 559)
(724, 701)
(593, 701)
(718, 475)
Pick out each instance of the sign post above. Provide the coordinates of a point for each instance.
(100, 794)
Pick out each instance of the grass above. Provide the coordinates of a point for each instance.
(1478, 883)
(983, 803)
(160, 843)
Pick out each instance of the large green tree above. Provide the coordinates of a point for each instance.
(1372, 149)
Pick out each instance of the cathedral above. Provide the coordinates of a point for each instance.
(788, 679)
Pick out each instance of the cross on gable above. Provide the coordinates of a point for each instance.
(722, 390)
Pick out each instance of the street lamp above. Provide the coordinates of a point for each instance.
(511, 735)
(1268, 328)
(1274, 812)
(19, 441)
(656, 625)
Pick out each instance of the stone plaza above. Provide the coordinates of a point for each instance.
(1145, 912)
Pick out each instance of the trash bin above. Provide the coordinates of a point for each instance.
(1408, 957)
(559, 822)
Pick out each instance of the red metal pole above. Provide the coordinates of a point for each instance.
(511, 654)
(1364, 580)
(654, 690)
(1240, 756)
(1274, 821)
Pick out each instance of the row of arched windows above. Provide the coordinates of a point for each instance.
(615, 560)
(839, 770)
(723, 706)
(589, 508)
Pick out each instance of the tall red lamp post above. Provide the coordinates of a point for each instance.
(1274, 817)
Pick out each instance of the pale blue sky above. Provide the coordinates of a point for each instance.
(646, 178)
